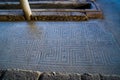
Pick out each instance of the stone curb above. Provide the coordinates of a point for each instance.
(36, 75)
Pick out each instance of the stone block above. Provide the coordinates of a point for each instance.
(54, 76)
(20, 75)
(110, 77)
(75, 77)
(87, 76)
(12, 18)
(95, 15)
(2, 73)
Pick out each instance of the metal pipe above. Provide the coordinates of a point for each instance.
(26, 9)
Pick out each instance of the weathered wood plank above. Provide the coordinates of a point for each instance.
(48, 5)
(11, 15)
(58, 16)
(62, 10)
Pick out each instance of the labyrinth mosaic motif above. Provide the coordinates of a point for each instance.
(49, 44)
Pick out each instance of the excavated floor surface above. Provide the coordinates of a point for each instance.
(73, 47)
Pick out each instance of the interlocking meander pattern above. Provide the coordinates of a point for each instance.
(73, 47)
(58, 46)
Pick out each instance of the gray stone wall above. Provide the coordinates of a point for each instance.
(36, 75)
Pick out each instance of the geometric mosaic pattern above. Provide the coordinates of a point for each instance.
(77, 47)
(48, 46)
